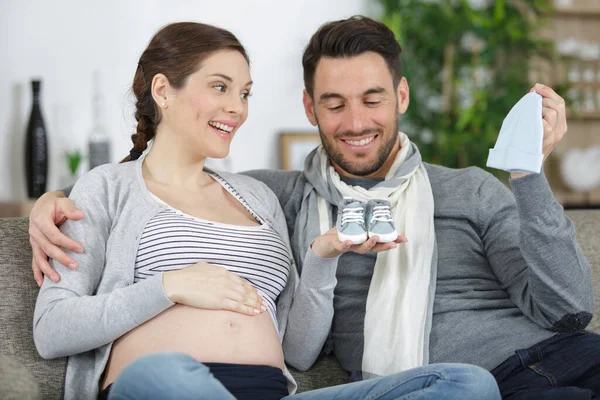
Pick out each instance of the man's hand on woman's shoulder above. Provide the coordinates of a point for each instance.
(48, 213)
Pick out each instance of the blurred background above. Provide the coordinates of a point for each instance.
(467, 63)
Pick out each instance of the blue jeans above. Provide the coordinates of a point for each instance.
(565, 366)
(171, 375)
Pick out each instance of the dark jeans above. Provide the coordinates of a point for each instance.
(563, 367)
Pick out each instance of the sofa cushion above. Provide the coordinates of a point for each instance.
(326, 372)
(587, 224)
(16, 382)
(17, 301)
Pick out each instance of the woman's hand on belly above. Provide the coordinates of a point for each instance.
(207, 286)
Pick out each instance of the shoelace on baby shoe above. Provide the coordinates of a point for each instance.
(381, 214)
(353, 214)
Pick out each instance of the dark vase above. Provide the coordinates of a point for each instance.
(36, 148)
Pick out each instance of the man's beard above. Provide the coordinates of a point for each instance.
(360, 168)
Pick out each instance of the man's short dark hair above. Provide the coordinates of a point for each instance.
(349, 38)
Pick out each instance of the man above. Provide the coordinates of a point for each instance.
(485, 273)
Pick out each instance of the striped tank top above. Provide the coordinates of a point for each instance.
(174, 240)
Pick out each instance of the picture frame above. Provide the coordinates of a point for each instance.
(295, 146)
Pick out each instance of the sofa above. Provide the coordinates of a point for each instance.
(24, 374)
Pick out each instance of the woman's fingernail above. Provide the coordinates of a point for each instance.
(256, 311)
(79, 250)
(55, 279)
(72, 266)
(262, 307)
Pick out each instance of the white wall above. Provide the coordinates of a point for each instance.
(63, 41)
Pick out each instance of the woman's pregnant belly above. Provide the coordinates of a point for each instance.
(206, 335)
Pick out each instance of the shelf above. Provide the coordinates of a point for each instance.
(576, 206)
(10, 209)
(588, 117)
(576, 13)
(577, 20)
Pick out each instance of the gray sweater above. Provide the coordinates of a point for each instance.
(83, 314)
(510, 272)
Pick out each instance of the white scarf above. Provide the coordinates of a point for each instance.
(398, 300)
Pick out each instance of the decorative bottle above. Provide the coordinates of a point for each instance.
(36, 147)
(99, 142)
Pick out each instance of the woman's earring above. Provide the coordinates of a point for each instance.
(164, 105)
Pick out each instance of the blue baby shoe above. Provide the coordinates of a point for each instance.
(351, 221)
(380, 221)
